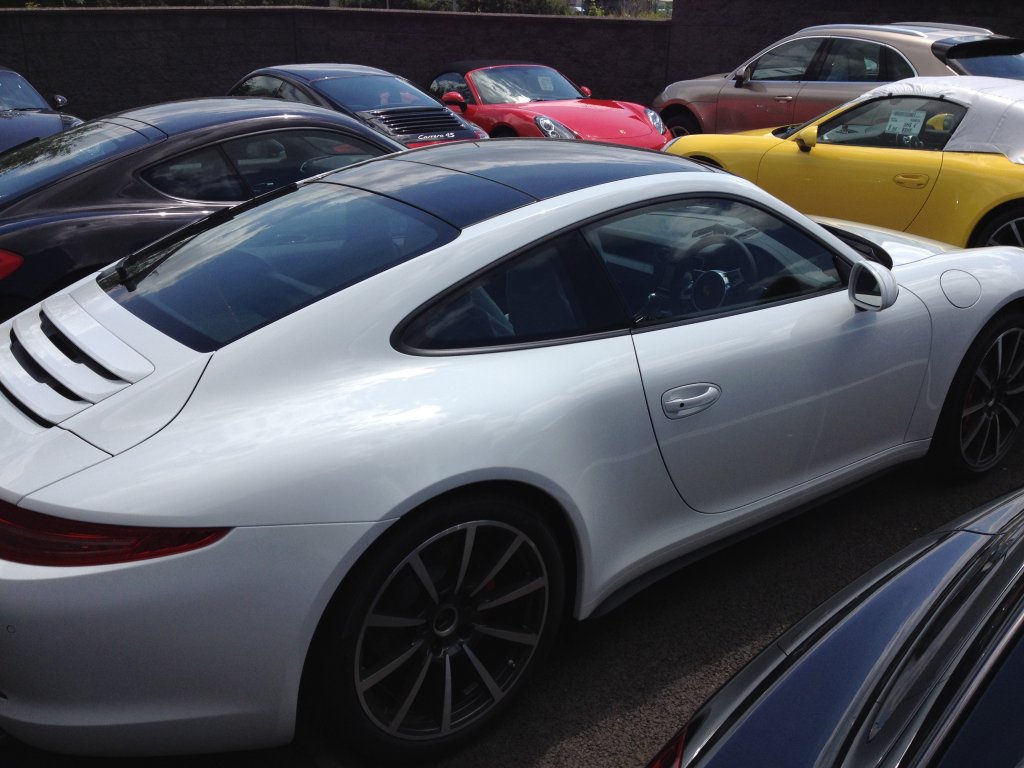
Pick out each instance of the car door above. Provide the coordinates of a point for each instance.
(764, 91)
(877, 161)
(471, 109)
(848, 68)
(760, 375)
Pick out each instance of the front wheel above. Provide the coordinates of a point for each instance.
(441, 626)
(981, 417)
(682, 124)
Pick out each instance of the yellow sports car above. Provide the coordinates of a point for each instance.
(941, 157)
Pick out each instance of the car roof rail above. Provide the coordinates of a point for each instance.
(944, 25)
(917, 28)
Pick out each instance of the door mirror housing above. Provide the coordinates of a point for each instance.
(807, 138)
(743, 76)
(872, 286)
(454, 99)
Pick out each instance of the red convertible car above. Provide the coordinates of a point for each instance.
(512, 98)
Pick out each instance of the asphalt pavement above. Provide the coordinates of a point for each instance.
(617, 687)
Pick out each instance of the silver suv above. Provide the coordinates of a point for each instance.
(802, 75)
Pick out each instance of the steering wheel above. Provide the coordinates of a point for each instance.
(719, 264)
(726, 253)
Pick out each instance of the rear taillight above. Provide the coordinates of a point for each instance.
(35, 539)
(9, 261)
(671, 755)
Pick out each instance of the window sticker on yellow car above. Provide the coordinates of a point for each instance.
(905, 122)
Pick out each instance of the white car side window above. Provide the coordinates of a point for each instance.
(702, 256)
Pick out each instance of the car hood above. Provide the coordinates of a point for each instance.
(592, 119)
(19, 126)
(61, 362)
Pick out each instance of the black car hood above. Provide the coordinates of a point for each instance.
(19, 126)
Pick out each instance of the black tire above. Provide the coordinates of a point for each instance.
(981, 417)
(442, 624)
(503, 133)
(1006, 228)
(681, 124)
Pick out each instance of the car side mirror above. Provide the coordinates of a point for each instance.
(807, 138)
(59, 101)
(744, 76)
(454, 99)
(872, 286)
(586, 91)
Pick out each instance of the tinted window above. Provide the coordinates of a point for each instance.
(555, 290)
(992, 56)
(452, 81)
(789, 61)
(896, 65)
(688, 258)
(853, 61)
(251, 165)
(270, 260)
(16, 93)
(260, 85)
(201, 175)
(366, 92)
(62, 154)
(270, 160)
(1010, 65)
(909, 122)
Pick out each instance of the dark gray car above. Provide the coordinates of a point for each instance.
(75, 201)
(24, 113)
(919, 663)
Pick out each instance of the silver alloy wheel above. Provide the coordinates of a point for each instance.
(991, 410)
(451, 630)
(1010, 232)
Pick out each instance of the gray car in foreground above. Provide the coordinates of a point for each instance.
(919, 663)
(801, 76)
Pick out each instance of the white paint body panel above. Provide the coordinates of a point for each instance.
(311, 435)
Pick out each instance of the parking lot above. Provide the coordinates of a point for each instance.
(618, 686)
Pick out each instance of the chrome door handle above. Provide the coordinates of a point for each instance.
(783, 98)
(690, 399)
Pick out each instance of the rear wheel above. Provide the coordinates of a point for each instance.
(981, 417)
(1006, 228)
(682, 124)
(443, 623)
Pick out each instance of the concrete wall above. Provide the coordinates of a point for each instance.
(105, 60)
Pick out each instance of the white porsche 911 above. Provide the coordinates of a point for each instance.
(367, 442)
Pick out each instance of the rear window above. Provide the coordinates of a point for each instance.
(41, 162)
(990, 58)
(368, 92)
(269, 260)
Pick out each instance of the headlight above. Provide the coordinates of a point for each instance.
(552, 128)
(655, 119)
